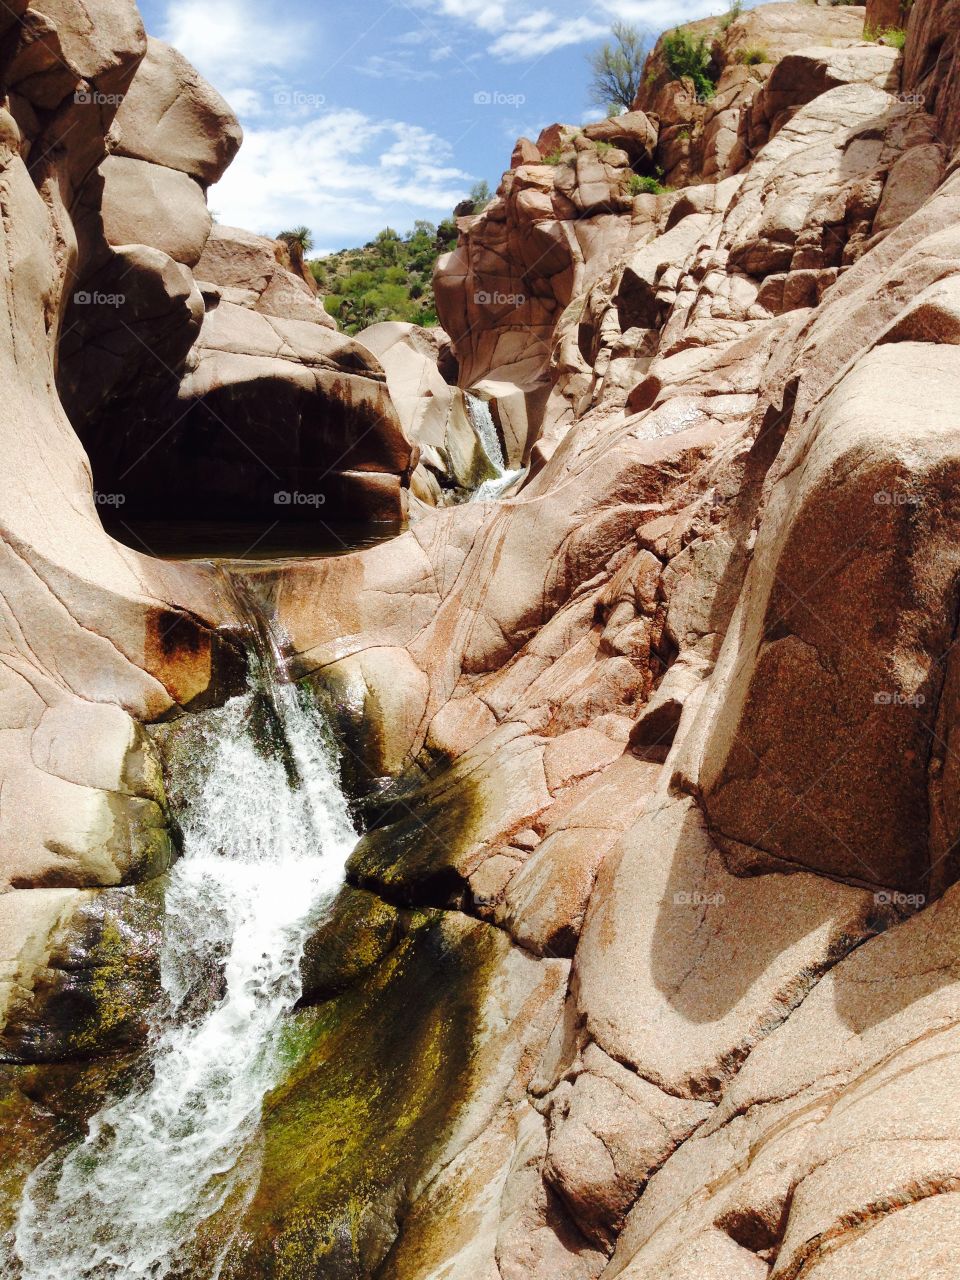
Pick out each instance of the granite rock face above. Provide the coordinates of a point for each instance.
(657, 757)
(698, 678)
(196, 335)
(96, 640)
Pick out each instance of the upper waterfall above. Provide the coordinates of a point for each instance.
(486, 429)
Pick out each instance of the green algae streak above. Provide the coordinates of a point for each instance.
(383, 1072)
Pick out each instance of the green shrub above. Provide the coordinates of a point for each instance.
(447, 233)
(895, 37)
(646, 186)
(689, 58)
(751, 56)
(732, 14)
(391, 278)
(555, 157)
(603, 148)
(299, 238)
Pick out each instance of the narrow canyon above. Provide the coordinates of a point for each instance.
(562, 882)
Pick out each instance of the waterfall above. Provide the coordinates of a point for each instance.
(486, 429)
(266, 833)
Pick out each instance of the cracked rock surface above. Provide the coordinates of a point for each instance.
(647, 961)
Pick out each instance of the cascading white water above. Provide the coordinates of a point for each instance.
(486, 429)
(266, 835)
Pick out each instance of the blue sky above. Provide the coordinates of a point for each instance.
(361, 114)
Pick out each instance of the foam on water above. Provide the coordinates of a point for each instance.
(266, 835)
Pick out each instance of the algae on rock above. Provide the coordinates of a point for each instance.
(384, 1070)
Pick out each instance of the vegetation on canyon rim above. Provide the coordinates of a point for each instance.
(391, 277)
(617, 68)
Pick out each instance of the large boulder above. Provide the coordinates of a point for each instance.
(249, 269)
(133, 310)
(801, 77)
(931, 73)
(126, 338)
(844, 675)
(89, 971)
(149, 204)
(171, 117)
(308, 409)
(632, 132)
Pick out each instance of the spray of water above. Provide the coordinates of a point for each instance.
(266, 833)
(486, 429)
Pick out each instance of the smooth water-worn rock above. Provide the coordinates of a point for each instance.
(645, 963)
(249, 270)
(197, 336)
(435, 416)
(170, 116)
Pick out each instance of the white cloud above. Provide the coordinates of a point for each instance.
(420, 36)
(232, 41)
(488, 15)
(539, 34)
(383, 68)
(662, 15)
(524, 31)
(343, 174)
(246, 102)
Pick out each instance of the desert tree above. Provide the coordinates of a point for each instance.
(617, 67)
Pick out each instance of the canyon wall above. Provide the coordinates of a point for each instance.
(697, 681)
(646, 961)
